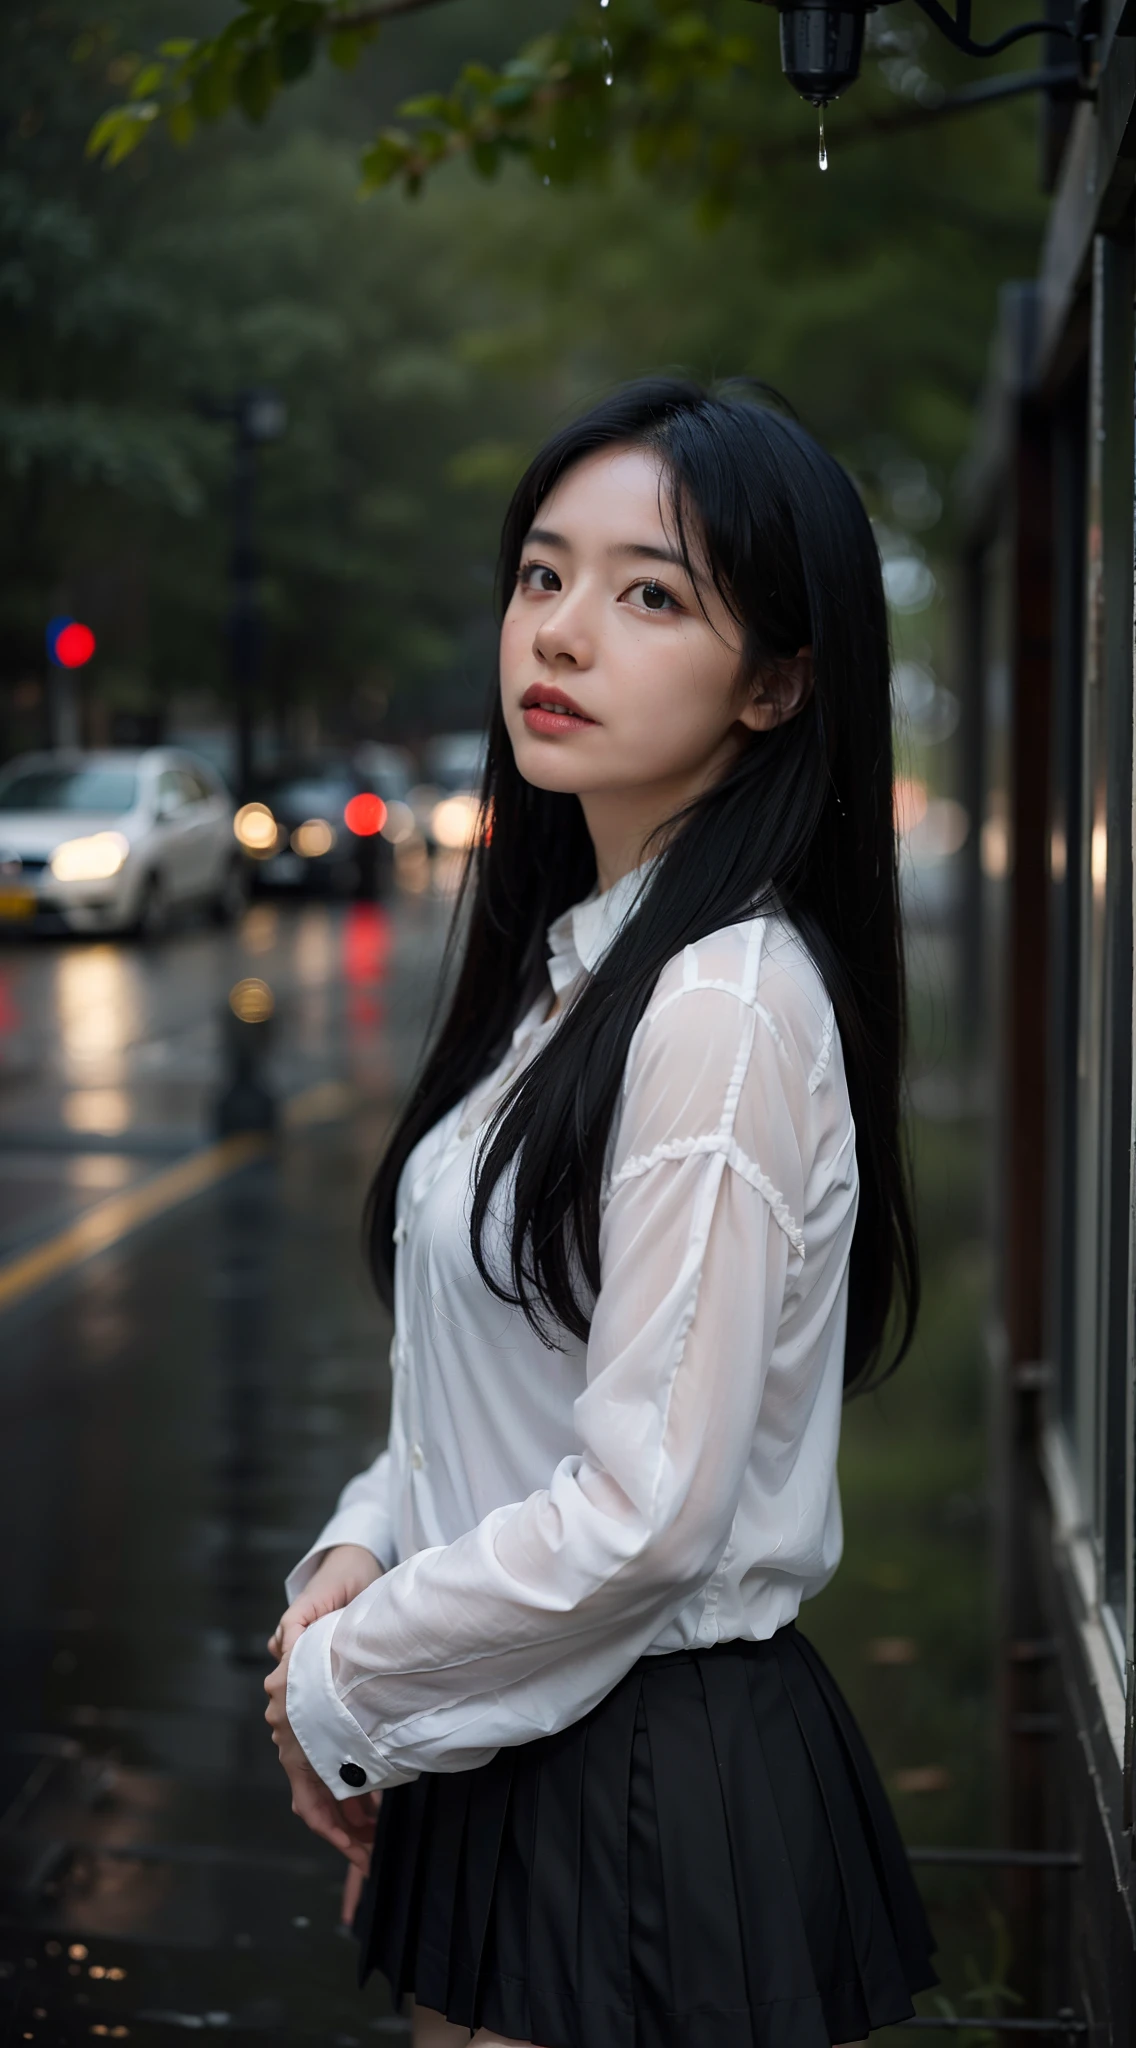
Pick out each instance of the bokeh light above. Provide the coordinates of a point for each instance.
(365, 814)
(255, 827)
(251, 1000)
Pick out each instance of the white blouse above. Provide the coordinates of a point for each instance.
(547, 1517)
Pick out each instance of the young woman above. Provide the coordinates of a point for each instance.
(643, 1222)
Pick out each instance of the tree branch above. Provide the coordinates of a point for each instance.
(369, 17)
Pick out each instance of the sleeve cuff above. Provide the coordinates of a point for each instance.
(333, 1742)
(358, 1524)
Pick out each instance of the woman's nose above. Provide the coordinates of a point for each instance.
(564, 636)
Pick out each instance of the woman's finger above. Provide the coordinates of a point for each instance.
(352, 1893)
(290, 1632)
(320, 1814)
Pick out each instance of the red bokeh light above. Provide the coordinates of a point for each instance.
(366, 945)
(74, 645)
(365, 815)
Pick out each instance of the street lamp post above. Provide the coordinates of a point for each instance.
(257, 416)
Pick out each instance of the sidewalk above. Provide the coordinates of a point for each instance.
(175, 1420)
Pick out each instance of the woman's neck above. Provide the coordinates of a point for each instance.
(619, 832)
(622, 823)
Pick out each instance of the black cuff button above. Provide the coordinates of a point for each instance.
(353, 1774)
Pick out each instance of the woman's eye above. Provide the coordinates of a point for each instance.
(535, 576)
(654, 598)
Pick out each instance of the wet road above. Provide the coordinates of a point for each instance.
(176, 1415)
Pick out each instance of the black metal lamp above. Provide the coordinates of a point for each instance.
(822, 40)
(821, 45)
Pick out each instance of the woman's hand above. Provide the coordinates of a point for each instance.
(343, 1573)
(348, 1824)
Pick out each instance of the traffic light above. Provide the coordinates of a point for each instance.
(69, 644)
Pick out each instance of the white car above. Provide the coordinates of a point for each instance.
(116, 840)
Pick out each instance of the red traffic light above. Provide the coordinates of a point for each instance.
(69, 643)
(365, 814)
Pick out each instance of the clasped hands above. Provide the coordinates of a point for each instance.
(348, 1824)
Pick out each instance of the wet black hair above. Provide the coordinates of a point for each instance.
(802, 819)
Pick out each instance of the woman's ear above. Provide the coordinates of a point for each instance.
(779, 693)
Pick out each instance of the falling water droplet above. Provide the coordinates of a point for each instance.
(547, 180)
(822, 157)
(605, 46)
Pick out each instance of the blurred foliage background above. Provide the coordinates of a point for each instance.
(424, 346)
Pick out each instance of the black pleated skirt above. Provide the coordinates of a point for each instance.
(706, 1860)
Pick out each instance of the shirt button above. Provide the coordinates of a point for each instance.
(416, 1457)
(353, 1774)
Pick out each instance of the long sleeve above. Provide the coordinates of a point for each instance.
(521, 1625)
(362, 1515)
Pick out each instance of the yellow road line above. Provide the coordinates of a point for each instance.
(114, 1219)
(325, 1102)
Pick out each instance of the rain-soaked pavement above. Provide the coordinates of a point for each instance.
(176, 1415)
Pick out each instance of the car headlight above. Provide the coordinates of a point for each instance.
(256, 829)
(314, 837)
(92, 859)
(399, 824)
(454, 822)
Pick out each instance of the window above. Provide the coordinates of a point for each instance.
(1091, 969)
(99, 791)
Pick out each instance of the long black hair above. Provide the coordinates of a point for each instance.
(802, 819)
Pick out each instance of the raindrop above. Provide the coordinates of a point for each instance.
(547, 180)
(822, 156)
(605, 46)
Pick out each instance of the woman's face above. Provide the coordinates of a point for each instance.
(614, 678)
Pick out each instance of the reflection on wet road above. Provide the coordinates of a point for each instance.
(176, 1415)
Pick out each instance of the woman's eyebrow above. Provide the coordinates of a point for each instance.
(641, 552)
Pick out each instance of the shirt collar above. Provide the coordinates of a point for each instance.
(579, 937)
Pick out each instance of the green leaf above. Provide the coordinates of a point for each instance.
(295, 54)
(486, 158)
(181, 121)
(428, 106)
(511, 97)
(479, 78)
(148, 81)
(120, 130)
(345, 48)
(244, 30)
(385, 158)
(211, 90)
(256, 82)
(433, 144)
(183, 46)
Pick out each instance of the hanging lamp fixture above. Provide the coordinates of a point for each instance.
(822, 41)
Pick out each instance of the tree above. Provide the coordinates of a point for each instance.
(675, 80)
(133, 300)
(892, 261)
(422, 351)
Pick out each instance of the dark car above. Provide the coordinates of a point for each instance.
(317, 826)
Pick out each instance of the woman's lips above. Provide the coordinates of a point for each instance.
(551, 711)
